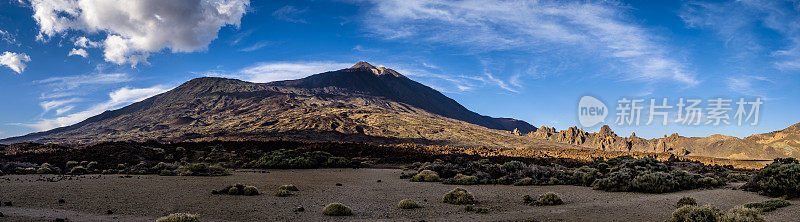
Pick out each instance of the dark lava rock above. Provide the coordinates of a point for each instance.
(8, 203)
(379, 181)
(338, 184)
(299, 209)
(109, 212)
(61, 201)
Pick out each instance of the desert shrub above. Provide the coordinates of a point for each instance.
(337, 209)
(164, 172)
(458, 196)
(283, 193)
(1, 173)
(92, 165)
(742, 214)
(527, 181)
(481, 210)
(686, 201)
(294, 159)
(45, 168)
(407, 204)
(548, 199)
(426, 176)
(691, 213)
(780, 178)
(250, 191)
(469, 208)
(585, 176)
(77, 170)
(234, 191)
(768, 205)
(71, 164)
(179, 217)
(462, 179)
(527, 199)
(201, 169)
(288, 187)
(513, 166)
(654, 182)
(615, 181)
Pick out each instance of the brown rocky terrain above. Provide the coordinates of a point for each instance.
(783, 143)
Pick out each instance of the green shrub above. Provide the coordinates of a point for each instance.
(250, 191)
(689, 213)
(426, 176)
(780, 178)
(337, 209)
(92, 165)
(234, 191)
(283, 193)
(768, 205)
(1, 173)
(166, 172)
(201, 169)
(461, 179)
(481, 210)
(742, 214)
(548, 199)
(337, 162)
(585, 176)
(459, 196)
(288, 187)
(654, 182)
(513, 166)
(77, 170)
(527, 199)
(687, 201)
(469, 208)
(44, 170)
(407, 204)
(71, 164)
(527, 181)
(179, 217)
(294, 159)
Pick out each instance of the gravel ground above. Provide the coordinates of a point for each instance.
(145, 198)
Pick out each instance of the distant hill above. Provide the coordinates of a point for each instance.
(362, 103)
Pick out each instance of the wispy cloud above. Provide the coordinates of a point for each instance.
(738, 24)
(276, 71)
(750, 85)
(73, 82)
(116, 99)
(290, 14)
(258, 45)
(590, 29)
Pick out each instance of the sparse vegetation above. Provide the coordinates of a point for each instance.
(295, 159)
(283, 193)
(686, 201)
(288, 187)
(548, 199)
(179, 217)
(337, 209)
(462, 179)
(527, 199)
(426, 176)
(742, 214)
(481, 210)
(780, 178)
(250, 191)
(768, 205)
(650, 176)
(407, 204)
(201, 169)
(459, 196)
(527, 181)
(690, 213)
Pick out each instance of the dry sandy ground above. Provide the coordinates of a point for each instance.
(144, 198)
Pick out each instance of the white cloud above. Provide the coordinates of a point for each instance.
(52, 104)
(532, 26)
(73, 82)
(63, 110)
(134, 29)
(86, 43)
(15, 61)
(258, 45)
(276, 71)
(738, 24)
(117, 99)
(750, 85)
(78, 52)
(8, 37)
(290, 14)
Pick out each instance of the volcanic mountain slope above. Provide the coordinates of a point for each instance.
(363, 104)
(783, 143)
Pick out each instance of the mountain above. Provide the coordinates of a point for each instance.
(767, 146)
(362, 103)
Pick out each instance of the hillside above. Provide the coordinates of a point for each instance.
(363, 104)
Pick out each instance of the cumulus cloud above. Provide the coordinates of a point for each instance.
(599, 28)
(78, 52)
(276, 71)
(15, 61)
(134, 29)
(116, 99)
(86, 43)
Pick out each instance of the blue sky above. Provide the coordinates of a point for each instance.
(64, 61)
